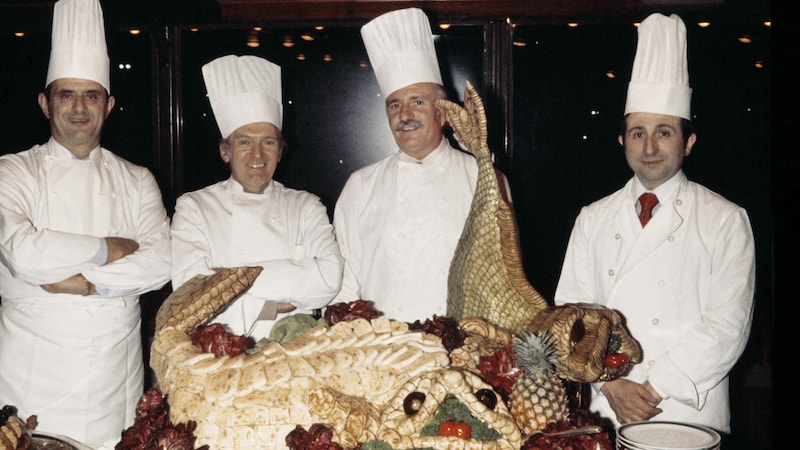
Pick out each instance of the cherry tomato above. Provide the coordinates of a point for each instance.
(616, 360)
(451, 428)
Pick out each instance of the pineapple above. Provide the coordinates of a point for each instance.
(538, 397)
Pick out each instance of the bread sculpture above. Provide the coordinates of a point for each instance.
(351, 375)
(487, 279)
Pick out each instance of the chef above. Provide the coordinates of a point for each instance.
(675, 258)
(250, 219)
(398, 220)
(83, 233)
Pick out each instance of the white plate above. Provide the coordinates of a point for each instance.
(667, 436)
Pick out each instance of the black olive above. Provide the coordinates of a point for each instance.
(487, 397)
(413, 403)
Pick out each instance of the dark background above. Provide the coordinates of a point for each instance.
(553, 116)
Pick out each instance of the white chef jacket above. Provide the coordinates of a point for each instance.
(75, 361)
(398, 223)
(685, 285)
(285, 231)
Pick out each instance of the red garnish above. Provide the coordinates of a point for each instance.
(214, 339)
(342, 312)
(499, 370)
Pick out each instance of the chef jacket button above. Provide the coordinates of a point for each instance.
(678, 202)
(654, 321)
(661, 282)
(671, 238)
(617, 236)
(611, 272)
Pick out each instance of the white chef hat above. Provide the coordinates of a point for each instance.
(243, 90)
(78, 43)
(660, 76)
(400, 47)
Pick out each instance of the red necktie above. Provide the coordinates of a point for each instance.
(646, 201)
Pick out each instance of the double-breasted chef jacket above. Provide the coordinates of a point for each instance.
(76, 361)
(398, 222)
(684, 284)
(285, 231)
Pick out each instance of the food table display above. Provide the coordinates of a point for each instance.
(488, 376)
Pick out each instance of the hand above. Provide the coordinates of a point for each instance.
(75, 285)
(119, 247)
(285, 307)
(631, 401)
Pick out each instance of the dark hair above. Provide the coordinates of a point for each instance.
(687, 128)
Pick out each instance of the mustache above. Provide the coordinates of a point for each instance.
(407, 123)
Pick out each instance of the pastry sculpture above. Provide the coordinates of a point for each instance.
(379, 380)
(487, 278)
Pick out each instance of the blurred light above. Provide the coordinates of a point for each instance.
(124, 66)
(610, 74)
(703, 24)
(573, 24)
(288, 41)
(194, 29)
(307, 37)
(363, 64)
(319, 28)
(594, 112)
(585, 137)
(19, 34)
(327, 58)
(745, 40)
(252, 39)
(341, 161)
(768, 24)
(257, 28)
(301, 57)
(759, 64)
(636, 24)
(135, 31)
(444, 26)
(520, 44)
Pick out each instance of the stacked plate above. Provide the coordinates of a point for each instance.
(666, 436)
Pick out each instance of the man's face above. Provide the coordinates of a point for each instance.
(654, 146)
(415, 123)
(252, 152)
(77, 110)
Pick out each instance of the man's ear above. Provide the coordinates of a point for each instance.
(43, 104)
(689, 144)
(224, 153)
(619, 139)
(111, 102)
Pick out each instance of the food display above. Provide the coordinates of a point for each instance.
(488, 376)
(15, 434)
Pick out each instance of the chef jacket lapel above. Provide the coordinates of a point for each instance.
(79, 195)
(660, 230)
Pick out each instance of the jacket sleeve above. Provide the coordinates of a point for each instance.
(312, 277)
(23, 245)
(190, 244)
(346, 228)
(148, 268)
(576, 283)
(705, 353)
